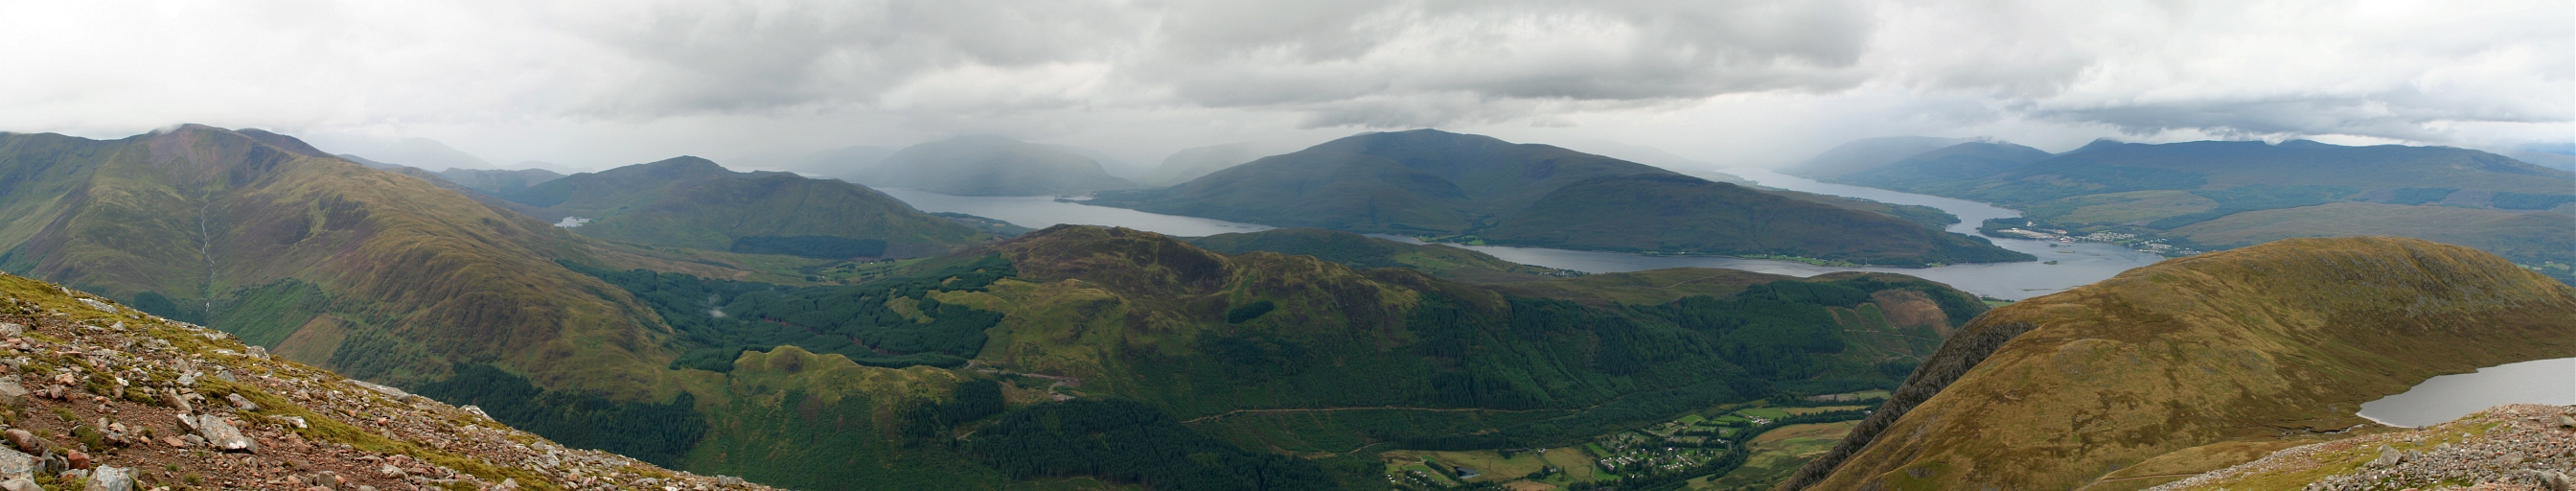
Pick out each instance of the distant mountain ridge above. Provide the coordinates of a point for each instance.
(693, 202)
(2219, 194)
(1471, 187)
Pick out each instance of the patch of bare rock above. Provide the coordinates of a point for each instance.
(2515, 447)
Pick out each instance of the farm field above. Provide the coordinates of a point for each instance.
(1778, 453)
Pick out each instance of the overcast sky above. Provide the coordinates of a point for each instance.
(752, 83)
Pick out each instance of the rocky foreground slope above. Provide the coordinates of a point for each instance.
(2509, 447)
(97, 396)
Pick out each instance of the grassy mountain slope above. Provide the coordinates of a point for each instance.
(1687, 215)
(691, 202)
(1433, 183)
(989, 166)
(2194, 355)
(1362, 252)
(376, 274)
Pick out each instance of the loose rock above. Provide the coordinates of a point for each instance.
(111, 479)
(223, 436)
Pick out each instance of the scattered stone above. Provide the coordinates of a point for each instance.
(16, 464)
(241, 403)
(20, 484)
(2387, 457)
(171, 397)
(9, 330)
(256, 351)
(24, 440)
(77, 459)
(111, 479)
(101, 306)
(223, 436)
(2566, 423)
(13, 393)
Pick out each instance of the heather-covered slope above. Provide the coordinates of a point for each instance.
(1468, 187)
(2190, 361)
(691, 202)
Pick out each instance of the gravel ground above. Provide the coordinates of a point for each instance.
(2509, 447)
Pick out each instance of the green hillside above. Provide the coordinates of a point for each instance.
(1429, 183)
(2196, 364)
(1359, 251)
(2218, 194)
(988, 166)
(691, 202)
(1258, 350)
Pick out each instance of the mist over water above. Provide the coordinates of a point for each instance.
(2078, 263)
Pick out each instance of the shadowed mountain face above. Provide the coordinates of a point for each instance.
(1433, 183)
(989, 166)
(375, 274)
(692, 202)
(2197, 363)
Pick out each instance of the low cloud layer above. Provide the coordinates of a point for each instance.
(609, 82)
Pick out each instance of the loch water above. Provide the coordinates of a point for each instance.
(2448, 397)
(2077, 263)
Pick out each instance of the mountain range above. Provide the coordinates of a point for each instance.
(723, 322)
(2219, 194)
(1474, 188)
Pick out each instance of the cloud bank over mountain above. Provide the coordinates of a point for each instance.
(616, 82)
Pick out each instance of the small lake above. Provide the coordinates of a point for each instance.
(2077, 263)
(2448, 397)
